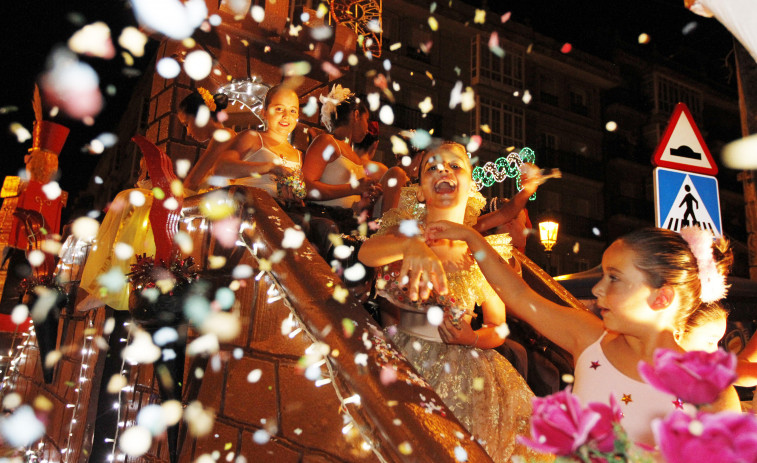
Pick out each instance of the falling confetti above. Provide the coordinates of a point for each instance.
(22, 428)
(72, 85)
(85, 228)
(494, 45)
(611, 126)
(198, 64)
(741, 154)
(566, 48)
(426, 105)
(258, 13)
(168, 68)
(172, 18)
(93, 40)
(311, 107)
(386, 115)
(293, 238)
(435, 315)
(480, 16)
(644, 38)
(433, 23)
(21, 133)
(52, 190)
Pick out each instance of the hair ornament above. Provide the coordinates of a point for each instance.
(207, 98)
(329, 102)
(713, 282)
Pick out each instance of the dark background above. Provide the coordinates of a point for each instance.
(32, 29)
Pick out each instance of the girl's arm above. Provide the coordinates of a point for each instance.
(420, 265)
(511, 208)
(315, 163)
(207, 161)
(571, 329)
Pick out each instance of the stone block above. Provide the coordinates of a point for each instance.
(224, 438)
(165, 103)
(273, 450)
(211, 388)
(310, 415)
(251, 402)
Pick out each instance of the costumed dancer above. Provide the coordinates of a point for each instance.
(652, 280)
(335, 176)
(476, 383)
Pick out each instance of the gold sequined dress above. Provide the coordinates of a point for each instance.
(479, 386)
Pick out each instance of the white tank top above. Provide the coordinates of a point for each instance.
(338, 172)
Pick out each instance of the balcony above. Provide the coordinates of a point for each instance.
(406, 117)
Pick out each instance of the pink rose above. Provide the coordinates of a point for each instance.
(724, 437)
(558, 424)
(602, 435)
(695, 377)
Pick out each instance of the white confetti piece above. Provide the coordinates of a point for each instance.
(123, 251)
(198, 64)
(460, 454)
(151, 418)
(342, 251)
(576, 247)
(741, 154)
(19, 314)
(386, 115)
(361, 359)
(21, 133)
(172, 412)
(298, 68)
(141, 349)
(611, 126)
(502, 330)
(12, 400)
(85, 228)
(168, 68)
(426, 105)
(255, 375)
(409, 228)
(311, 107)
(135, 441)
(72, 85)
(435, 315)
(93, 40)
(258, 13)
(355, 272)
(171, 18)
(225, 326)
(52, 190)
(261, 437)
(116, 383)
(205, 344)
(568, 378)
(293, 238)
(527, 97)
(36, 258)
(321, 33)
(374, 101)
(133, 40)
(22, 428)
(241, 272)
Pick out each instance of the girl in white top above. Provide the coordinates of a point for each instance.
(652, 281)
(334, 174)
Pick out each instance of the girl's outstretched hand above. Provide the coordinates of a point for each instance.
(422, 270)
(444, 229)
(461, 334)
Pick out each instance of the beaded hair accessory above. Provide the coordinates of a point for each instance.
(329, 102)
(713, 283)
(207, 98)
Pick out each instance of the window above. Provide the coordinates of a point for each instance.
(668, 93)
(419, 38)
(549, 142)
(506, 122)
(579, 102)
(548, 92)
(488, 68)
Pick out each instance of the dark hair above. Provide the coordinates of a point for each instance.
(370, 137)
(666, 259)
(344, 109)
(192, 102)
(705, 313)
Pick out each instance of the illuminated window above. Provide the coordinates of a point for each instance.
(506, 123)
(488, 68)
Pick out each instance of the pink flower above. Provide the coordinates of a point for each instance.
(559, 425)
(602, 435)
(695, 377)
(725, 437)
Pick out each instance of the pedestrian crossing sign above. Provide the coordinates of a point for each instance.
(686, 199)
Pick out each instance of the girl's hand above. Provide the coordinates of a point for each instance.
(279, 170)
(421, 270)
(444, 229)
(364, 185)
(462, 334)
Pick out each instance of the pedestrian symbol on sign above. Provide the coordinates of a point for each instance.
(686, 199)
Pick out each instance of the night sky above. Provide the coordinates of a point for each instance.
(595, 26)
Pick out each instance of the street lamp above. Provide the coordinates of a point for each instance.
(548, 237)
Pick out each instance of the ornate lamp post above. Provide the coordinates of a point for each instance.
(548, 237)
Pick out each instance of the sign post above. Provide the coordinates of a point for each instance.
(686, 191)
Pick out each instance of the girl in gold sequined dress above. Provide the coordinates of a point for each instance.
(476, 383)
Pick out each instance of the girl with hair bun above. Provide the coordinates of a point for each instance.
(653, 279)
(335, 175)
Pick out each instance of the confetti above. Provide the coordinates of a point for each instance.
(435, 315)
(321, 33)
(19, 314)
(474, 143)
(480, 16)
(340, 294)
(611, 126)
(133, 40)
(172, 18)
(689, 28)
(527, 97)
(257, 13)
(566, 48)
(206, 344)
(386, 115)
(505, 17)
(224, 325)
(22, 428)
(261, 437)
(36, 258)
(576, 248)
(116, 383)
(388, 375)
(460, 454)
(71, 85)
(741, 154)
(409, 228)
(355, 273)
(293, 238)
(502, 330)
(21, 133)
(199, 419)
(374, 101)
(141, 349)
(433, 23)
(198, 64)
(494, 45)
(93, 40)
(311, 107)
(255, 375)
(644, 38)
(12, 401)
(405, 448)
(150, 417)
(85, 228)
(426, 105)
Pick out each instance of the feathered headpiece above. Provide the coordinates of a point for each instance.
(713, 283)
(207, 98)
(329, 103)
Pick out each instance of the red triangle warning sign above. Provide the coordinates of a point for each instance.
(682, 146)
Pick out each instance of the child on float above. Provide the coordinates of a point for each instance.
(475, 382)
(704, 328)
(651, 283)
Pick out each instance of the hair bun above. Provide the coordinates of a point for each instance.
(221, 100)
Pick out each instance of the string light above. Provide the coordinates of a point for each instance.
(503, 168)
